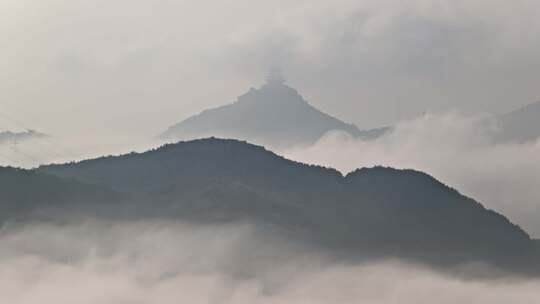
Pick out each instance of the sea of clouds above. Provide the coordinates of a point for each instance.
(99, 262)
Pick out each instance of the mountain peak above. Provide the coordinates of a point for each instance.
(275, 94)
(274, 115)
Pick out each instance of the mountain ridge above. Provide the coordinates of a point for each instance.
(28, 193)
(373, 212)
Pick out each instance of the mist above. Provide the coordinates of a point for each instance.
(457, 149)
(79, 68)
(34, 152)
(105, 77)
(102, 262)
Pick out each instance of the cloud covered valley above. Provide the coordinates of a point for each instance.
(101, 262)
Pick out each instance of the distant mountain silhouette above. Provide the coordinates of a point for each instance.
(521, 125)
(274, 115)
(7, 137)
(370, 213)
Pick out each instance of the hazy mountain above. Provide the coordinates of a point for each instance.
(275, 115)
(377, 212)
(521, 125)
(9, 137)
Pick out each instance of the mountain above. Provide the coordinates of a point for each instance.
(522, 125)
(7, 137)
(370, 213)
(27, 194)
(275, 115)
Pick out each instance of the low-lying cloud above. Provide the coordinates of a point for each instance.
(52, 149)
(171, 262)
(456, 149)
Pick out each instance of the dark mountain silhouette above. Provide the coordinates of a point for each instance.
(274, 115)
(9, 137)
(521, 125)
(370, 213)
(26, 194)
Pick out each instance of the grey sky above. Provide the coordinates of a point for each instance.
(133, 67)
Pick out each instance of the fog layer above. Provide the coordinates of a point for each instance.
(164, 262)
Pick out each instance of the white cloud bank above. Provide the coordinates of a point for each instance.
(164, 262)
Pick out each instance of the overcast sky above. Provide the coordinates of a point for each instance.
(137, 66)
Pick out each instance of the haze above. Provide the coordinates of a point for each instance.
(363, 89)
(132, 68)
